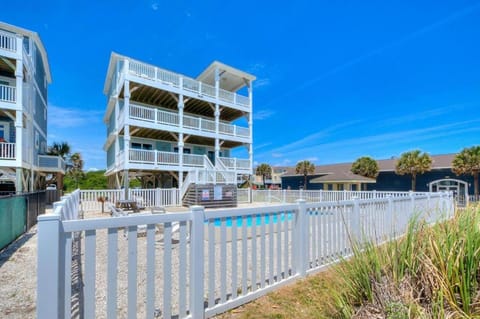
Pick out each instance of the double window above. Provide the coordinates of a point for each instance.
(142, 146)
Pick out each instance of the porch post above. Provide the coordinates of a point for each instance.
(250, 127)
(217, 114)
(180, 142)
(126, 147)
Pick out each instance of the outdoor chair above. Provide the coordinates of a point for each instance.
(116, 211)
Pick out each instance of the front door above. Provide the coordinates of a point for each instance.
(4, 132)
(211, 157)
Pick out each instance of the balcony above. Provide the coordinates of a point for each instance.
(8, 41)
(8, 93)
(152, 115)
(199, 89)
(51, 163)
(171, 160)
(7, 151)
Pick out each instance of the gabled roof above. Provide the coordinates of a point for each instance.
(36, 38)
(231, 80)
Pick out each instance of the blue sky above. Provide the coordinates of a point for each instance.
(335, 79)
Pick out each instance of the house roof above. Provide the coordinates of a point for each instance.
(341, 172)
(231, 79)
(36, 38)
(342, 176)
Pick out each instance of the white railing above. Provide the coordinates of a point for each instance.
(188, 84)
(8, 93)
(290, 196)
(91, 200)
(235, 163)
(238, 254)
(7, 150)
(153, 115)
(55, 163)
(8, 41)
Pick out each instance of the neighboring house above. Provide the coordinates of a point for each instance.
(167, 129)
(275, 180)
(24, 77)
(339, 177)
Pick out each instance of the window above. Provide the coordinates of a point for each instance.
(185, 150)
(4, 132)
(141, 146)
(37, 140)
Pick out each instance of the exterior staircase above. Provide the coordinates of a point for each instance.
(212, 186)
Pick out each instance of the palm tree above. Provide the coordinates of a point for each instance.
(61, 149)
(468, 162)
(75, 167)
(265, 171)
(413, 163)
(305, 168)
(365, 166)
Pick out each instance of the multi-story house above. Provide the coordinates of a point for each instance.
(24, 77)
(171, 130)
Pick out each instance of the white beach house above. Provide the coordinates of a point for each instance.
(24, 77)
(171, 130)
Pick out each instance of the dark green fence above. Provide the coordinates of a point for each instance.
(18, 213)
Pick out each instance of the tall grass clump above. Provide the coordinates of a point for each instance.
(430, 272)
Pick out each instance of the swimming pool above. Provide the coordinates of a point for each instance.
(258, 219)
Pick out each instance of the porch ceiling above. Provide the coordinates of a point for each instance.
(167, 136)
(153, 96)
(5, 68)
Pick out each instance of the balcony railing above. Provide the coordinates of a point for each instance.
(7, 151)
(153, 115)
(235, 163)
(53, 163)
(158, 158)
(8, 41)
(157, 74)
(165, 158)
(8, 93)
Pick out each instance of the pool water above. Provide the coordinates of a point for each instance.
(258, 219)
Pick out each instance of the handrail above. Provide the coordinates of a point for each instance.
(8, 41)
(7, 150)
(8, 93)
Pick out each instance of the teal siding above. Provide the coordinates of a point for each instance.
(121, 142)
(40, 73)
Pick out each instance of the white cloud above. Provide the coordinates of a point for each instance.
(261, 83)
(263, 115)
(64, 117)
(155, 6)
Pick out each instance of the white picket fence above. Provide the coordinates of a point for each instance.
(152, 197)
(216, 261)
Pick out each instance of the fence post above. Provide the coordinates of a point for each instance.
(321, 195)
(196, 261)
(412, 203)
(284, 195)
(269, 195)
(301, 239)
(356, 226)
(391, 213)
(50, 301)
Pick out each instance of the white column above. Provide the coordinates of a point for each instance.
(180, 144)
(217, 114)
(18, 150)
(117, 129)
(126, 137)
(250, 127)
